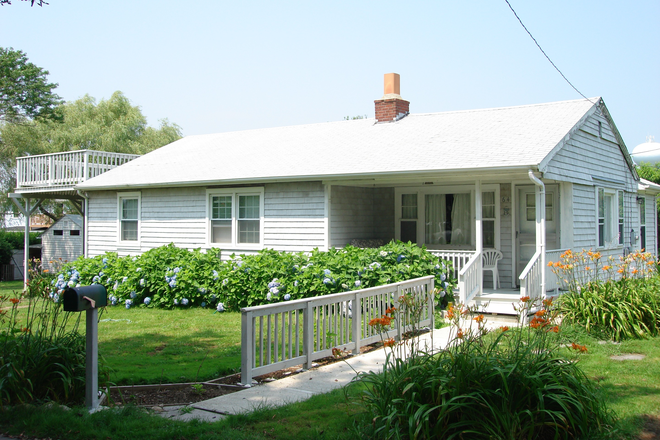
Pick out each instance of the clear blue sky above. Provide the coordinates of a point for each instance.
(214, 66)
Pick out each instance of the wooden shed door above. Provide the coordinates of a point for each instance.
(526, 223)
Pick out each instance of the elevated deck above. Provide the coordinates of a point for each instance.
(55, 175)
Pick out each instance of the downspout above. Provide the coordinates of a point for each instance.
(540, 224)
(85, 222)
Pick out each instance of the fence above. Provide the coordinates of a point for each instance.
(277, 336)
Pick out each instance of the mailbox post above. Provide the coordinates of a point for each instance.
(88, 298)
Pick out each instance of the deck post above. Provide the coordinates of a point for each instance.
(308, 334)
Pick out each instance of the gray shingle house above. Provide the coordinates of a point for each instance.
(528, 181)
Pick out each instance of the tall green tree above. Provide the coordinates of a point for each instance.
(110, 125)
(25, 92)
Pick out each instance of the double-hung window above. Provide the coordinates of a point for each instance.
(129, 217)
(236, 217)
(610, 217)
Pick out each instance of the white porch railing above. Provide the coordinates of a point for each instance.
(277, 336)
(552, 281)
(530, 278)
(458, 258)
(65, 169)
(469, 278)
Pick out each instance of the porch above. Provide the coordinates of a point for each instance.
(536, 281)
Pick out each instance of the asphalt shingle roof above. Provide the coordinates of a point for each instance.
(474, 139)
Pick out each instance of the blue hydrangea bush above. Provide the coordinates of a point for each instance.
(169, 277)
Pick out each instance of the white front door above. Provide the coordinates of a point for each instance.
(526, 223)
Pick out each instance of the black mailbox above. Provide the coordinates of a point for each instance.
(77, 299)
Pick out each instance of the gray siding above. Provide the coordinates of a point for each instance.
(294, 219)
(584, 217)
(586, 154)
(294, 216)
(361, 213)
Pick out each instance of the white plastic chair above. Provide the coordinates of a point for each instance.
(489, 259)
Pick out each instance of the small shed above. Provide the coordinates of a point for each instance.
(62, 242)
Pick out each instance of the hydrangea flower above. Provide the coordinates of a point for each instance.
(203, 304)
(287, 297)
(327, 280)
(273, 284)
(344, 286)
(172, 283)
(225, 281)
(201, 290)
(274, 290)
(437, 266)
(399, 258)
(129, 303)
(71, 284)
(443, 277)
(220, 308)
(177, 269)
(442, 293)
(295, 283)
(115, 286)
(326, 271)
(184, 302)
(56, 298)
(176, 302)
(374, 264)
(142, 282)
(383, 253)
(101, 274)
(357, 283)
(268, 296)
(215, 275)
(105, 261)
(124, 279)
(133, 294)
(113, 300)
(147, 301)
(134, 258)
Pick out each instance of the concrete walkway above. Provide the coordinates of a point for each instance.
(306, 384)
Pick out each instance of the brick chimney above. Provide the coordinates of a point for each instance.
(391, 107)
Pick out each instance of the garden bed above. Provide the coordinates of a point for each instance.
(193, 392)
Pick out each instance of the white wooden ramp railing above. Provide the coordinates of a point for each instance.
(277, 336)
(469, 279)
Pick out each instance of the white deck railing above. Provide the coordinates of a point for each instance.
(552, 281)
(277, 336)
(530, 278)
(65, 169)
(458, 258)
(470, 278)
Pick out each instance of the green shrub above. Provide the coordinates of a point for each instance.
(169, 276)
(14, 240)
(42, 354)
(618, 309)
(508, 384)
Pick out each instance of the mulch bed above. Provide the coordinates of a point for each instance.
(189, 393)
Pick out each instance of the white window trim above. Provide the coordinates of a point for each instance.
(422, 191)
(614, 218)
(129, 244)
(235, 192)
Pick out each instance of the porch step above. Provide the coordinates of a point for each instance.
(497, 303)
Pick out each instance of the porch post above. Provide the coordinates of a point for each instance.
(540, 224)
(479, 231)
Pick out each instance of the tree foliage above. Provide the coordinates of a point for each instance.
(111, 125)
(32, 2)
(25, 92)
(649, 172)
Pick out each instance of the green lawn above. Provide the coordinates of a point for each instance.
(182, 345)
(9, 288)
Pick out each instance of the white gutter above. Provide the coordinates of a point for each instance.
(540, 223)
(85, 198)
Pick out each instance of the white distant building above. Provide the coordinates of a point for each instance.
(648, 152)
